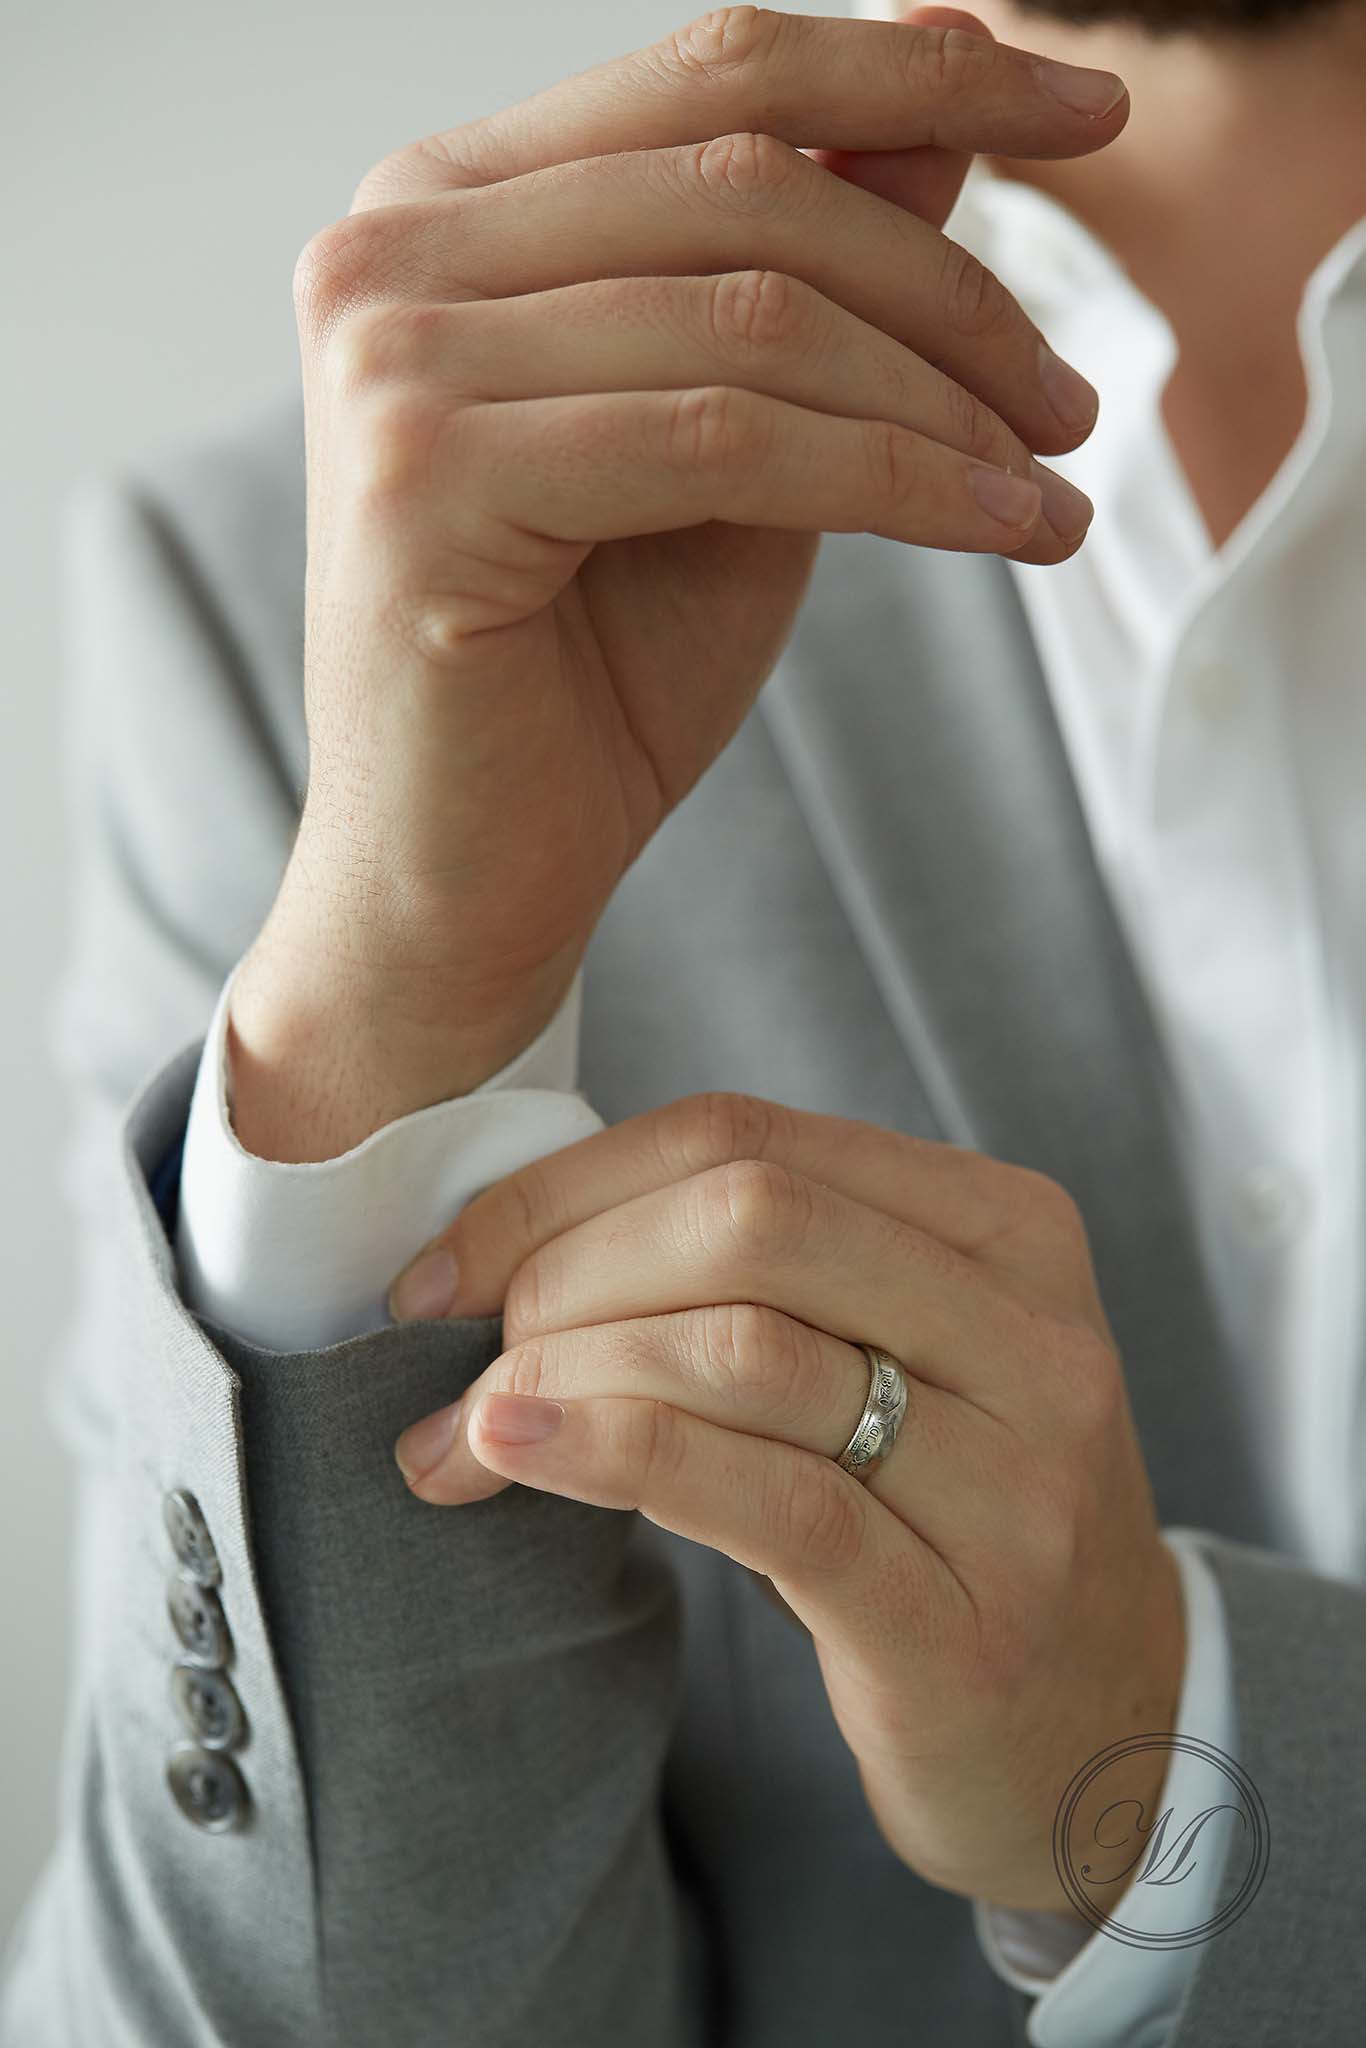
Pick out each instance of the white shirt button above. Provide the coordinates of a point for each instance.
(1269, 1201)
(1213, 688)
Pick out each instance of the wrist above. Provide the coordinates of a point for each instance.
(322, 1053)
(1128, 1690)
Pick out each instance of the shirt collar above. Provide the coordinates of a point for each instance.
(1047, 256)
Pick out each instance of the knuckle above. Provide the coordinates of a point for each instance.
(379, 342)
(524, 1371)
(724, 40)
(1039, 1192)
(393, 447)
(751, 310)
(894, 463)
(713, 428)
(718, 1124)
(753, 168)
(525, 1194)
(378, 181)
(527, 1297)
(438, 630)
(520, 1219)
(389, 178)
(946, 62)
(443, 162)
(755, 1208)
(978, 431)
(473, 154)
(1091, 1379)
(653, 1446)
(990, 1207)
(338, 269)
(1047, 1199)
(751, 1354)
(976, 304)
(1046, 1204)
(813, 1515)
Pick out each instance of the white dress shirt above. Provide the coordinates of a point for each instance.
(1206, 700)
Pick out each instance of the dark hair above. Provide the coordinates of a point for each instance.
(1180, 17)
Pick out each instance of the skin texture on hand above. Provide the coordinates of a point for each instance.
(684, 1296)
(319, 1058)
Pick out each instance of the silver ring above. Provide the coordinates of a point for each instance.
(882, 1417)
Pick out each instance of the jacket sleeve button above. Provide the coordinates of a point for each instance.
(199, 1621)
(190, 1538)
(208, 1704)
(207, 1787)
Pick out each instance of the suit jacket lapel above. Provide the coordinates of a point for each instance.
(915, 723)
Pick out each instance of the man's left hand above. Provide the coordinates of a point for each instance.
(683, 1298)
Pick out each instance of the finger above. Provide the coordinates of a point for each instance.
(750, 1231)
(738, 202)
(576, 471)
(925, 181)
(949, 1476)
(836, 1554)
(969, 1202)
(756, 329)
(818, 80)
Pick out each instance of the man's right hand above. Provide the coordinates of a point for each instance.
(584, 383)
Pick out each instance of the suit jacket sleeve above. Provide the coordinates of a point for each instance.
(455, 1722)
(1288, 1963)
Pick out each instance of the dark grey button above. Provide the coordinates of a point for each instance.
(207, 1787)
(208, 1705)
(198, 1619)
(190, 1538)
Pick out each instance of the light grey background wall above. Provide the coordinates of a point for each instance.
(162, 162)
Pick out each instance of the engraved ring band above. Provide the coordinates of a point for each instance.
(883, 1414)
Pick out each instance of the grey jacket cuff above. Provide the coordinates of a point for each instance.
(1298, 1647)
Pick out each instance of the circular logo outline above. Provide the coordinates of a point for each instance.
(1252, 1806)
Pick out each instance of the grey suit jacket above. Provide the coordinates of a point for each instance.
(534, 1772)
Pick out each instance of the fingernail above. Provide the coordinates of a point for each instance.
(424, 1444)
(1011, 499)
(1074, 400)
(1067, 510)
(518, 1418)
(1084, 91)
(425, 1290)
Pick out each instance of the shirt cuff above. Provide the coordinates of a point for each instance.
(1092, 1990)
(297, 1255)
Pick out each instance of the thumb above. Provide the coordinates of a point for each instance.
(924, 181)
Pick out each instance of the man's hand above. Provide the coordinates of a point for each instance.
(584, 383)
(683, 1295)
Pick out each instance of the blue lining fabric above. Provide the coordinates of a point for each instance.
(165, 1187)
